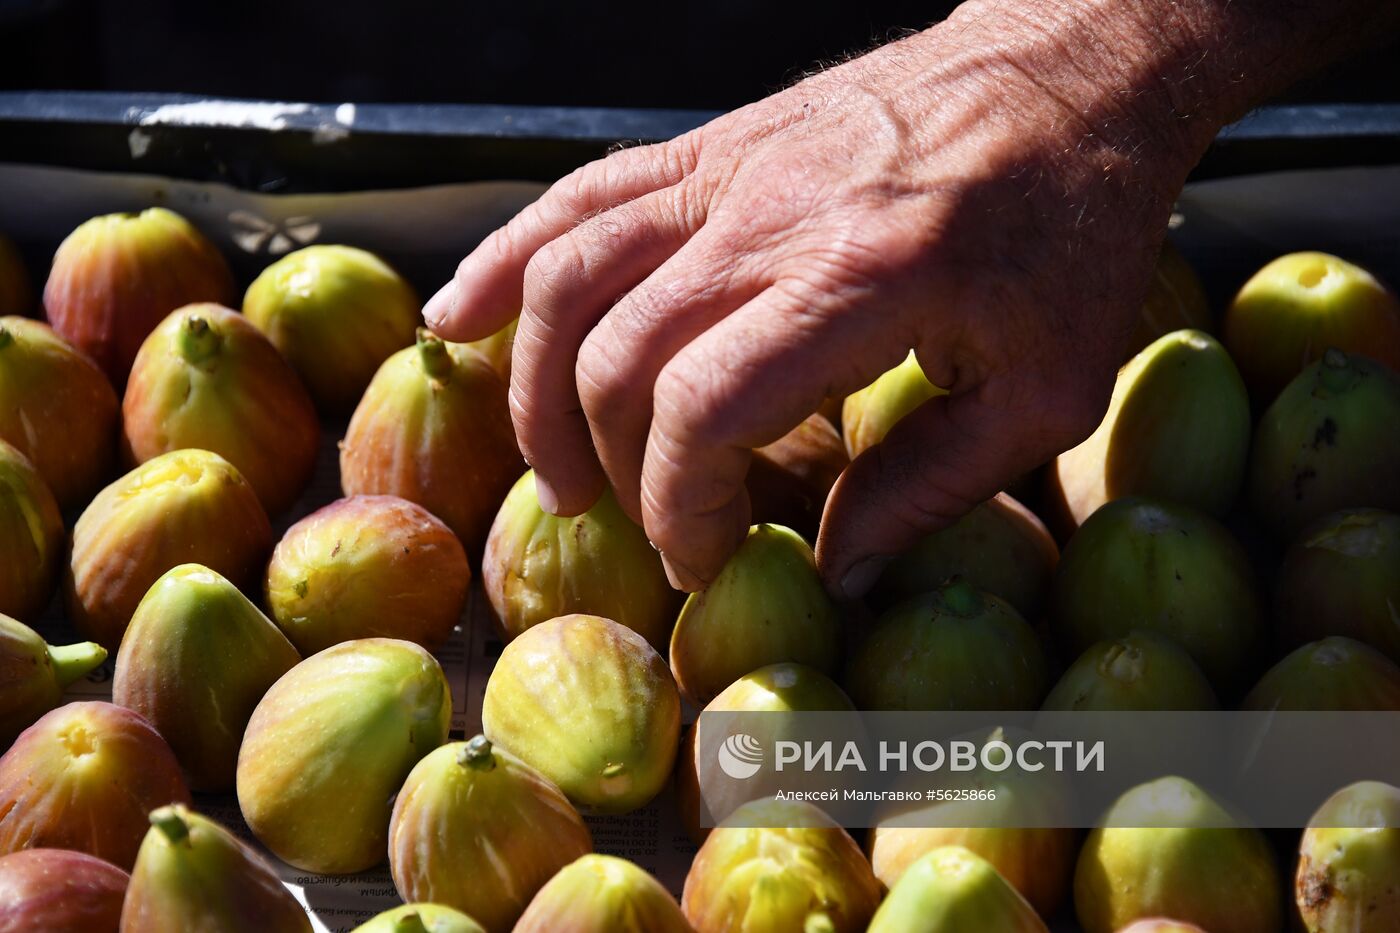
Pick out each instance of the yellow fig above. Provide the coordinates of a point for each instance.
(31, 537)
(951, 890)
(420, 918)
(868, 415)
(1348, 876)
(603, 894)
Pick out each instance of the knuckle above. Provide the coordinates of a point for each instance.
(555, 270)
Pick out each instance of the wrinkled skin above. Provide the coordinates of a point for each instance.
(955, 192)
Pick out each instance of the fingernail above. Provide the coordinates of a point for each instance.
(862, 576)
(435, 311)
(549, 499)
(680, 578)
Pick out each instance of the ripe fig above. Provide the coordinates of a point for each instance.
(331, 743)
(477, 829)
(192, 874)
(1341, 576)
(336, 313)
(589, 704)
(371, 566)
(206, 378)
(789, 479)
(1166, 849)
(950, 890)
(59, 891)
(34, 673)
(1140, 671)
(187, 506)
(1296, 307)
(868, 415)
(117, 276)
(1177, 429)
(797, 871)
(955, 648)
(1349, 862)
(31, 537)
(539, 567)
(173, 667)
(16, 294)
(84, 777)
(1332, 674)
(778, 688)
(1165, 568)
(57, 408)
(434, 428)
(1000, 547)
(603, 894)
(420, 918)
(498, 347)
(1328, 442)
(1175, 299)
(1158, 925)
(766, 606)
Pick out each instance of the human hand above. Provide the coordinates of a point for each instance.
(991, 193)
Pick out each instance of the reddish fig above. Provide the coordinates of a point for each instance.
(84, 777)
(789, 479)
(1175, 299)
(208, 379)
(31, 537)
(57, 408)
(34, 673)
(59, 891)
(117, 276)
(16, 294)
(367, 567)
(336, 313)
(187, 506)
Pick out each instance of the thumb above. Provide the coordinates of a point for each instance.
(933, 466)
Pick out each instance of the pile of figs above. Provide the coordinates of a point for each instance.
(1228, 538)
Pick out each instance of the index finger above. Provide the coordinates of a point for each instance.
(485, 293)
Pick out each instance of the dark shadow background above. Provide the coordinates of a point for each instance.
(715, 54)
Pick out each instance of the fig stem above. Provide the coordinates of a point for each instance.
(170, 822)
(410, 923)
(1336, 372)
(197, 341)
(73, 661)
(961, 597)
(477, 754)
(818, 923)
(437, 362)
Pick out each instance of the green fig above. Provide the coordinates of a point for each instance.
(1341, 576)
(776, 688)
(868, 415)
(16, 293)
(788, 480)
(187, 506)
(33, 674)
(1165, 568)
(1296, 307)
(767, 605)
(1140, 671)
(1331, 674)
(207, 378)
(999, 546)
(31, 537)
(796, 871)
(538, 567)
(1328, 442)
(1177, 429)
(173, 668)
(192, 874)
(955, 648)
(59, 891)
(329, 746)
(1159, 925)
(1349, 862)
(115, 277)
(84, 777)
(603, 894)
(477, 829)
(434, 428)
(57, 408)
(368, 567)
(951, 890)
(420, 918)
(1175, 299)
(336, 313)
(1166, 849)
(589, 704)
